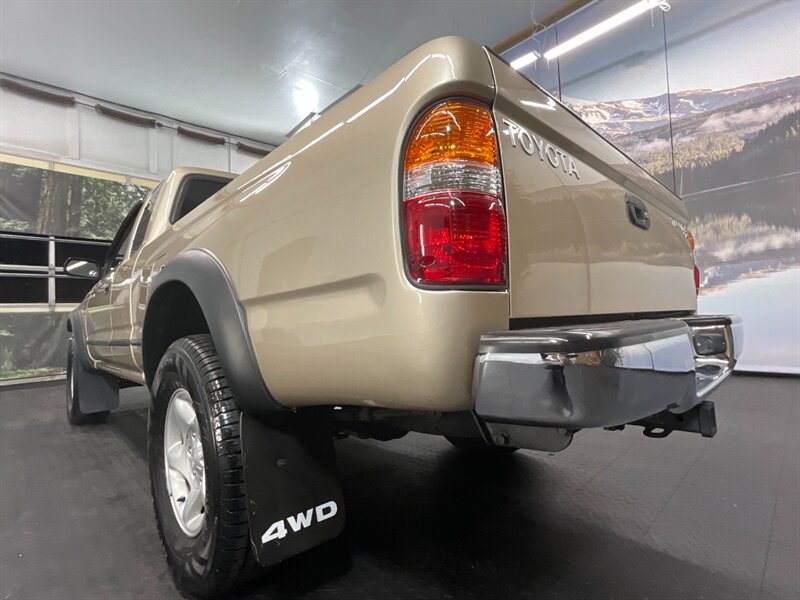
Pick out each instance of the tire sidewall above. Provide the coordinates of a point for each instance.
(191, 558)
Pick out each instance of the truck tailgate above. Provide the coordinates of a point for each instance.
(574, 249)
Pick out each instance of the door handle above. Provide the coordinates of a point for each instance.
(103, 287)
(637, 211)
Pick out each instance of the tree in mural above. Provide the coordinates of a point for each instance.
(17, 182)
(53, 199)
(102, 206)
(74, 210)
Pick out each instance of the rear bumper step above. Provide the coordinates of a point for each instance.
(603, 375)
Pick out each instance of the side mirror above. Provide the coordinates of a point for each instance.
(84, 268)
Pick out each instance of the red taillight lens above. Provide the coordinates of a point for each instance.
(690, 239)
(696, 280)
(456, 237)
(455, 223)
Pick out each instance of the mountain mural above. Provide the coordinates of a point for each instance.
(617, 117)
(708, 126)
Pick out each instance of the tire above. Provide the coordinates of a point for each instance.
(218, 557)
(476, 446)
(76, 373)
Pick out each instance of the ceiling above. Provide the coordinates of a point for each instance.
(253, 69)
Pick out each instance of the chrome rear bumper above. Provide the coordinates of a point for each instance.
(603, 375)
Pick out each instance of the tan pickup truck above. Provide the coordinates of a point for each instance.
(447, 250)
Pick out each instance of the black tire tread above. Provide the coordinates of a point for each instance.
(234, 562)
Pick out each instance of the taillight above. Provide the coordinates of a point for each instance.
(455, 223)
(690, 239)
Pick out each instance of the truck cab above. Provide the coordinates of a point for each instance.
(114, 306)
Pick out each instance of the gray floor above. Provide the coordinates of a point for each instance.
(615, 515)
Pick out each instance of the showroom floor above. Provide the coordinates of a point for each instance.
(616, 515)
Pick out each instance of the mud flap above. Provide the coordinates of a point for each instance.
(97, 391)
(294, 496)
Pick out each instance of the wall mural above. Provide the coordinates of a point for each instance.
(706, 97)
(34, 200)
(736, 166)
(45, 201)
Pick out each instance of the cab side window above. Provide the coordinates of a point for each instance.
(195, 190)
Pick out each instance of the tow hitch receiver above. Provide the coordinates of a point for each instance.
(294, 497)
(701, 419)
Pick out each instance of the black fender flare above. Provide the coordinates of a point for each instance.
(206, 277)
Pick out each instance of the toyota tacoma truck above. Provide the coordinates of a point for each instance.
(448, 250)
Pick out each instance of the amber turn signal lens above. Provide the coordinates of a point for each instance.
(690, 237)
(456, 129)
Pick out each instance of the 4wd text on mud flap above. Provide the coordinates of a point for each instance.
(301, 520)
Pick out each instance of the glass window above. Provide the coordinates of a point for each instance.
(541, 71)
(618, 84)
(194, 191)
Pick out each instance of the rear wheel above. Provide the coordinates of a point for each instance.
(476, 445)
(196, 474)
(76, 373)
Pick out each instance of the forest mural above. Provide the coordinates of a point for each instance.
(44, 201)
(36, 200)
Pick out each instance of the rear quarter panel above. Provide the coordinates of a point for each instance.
(310, 237)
